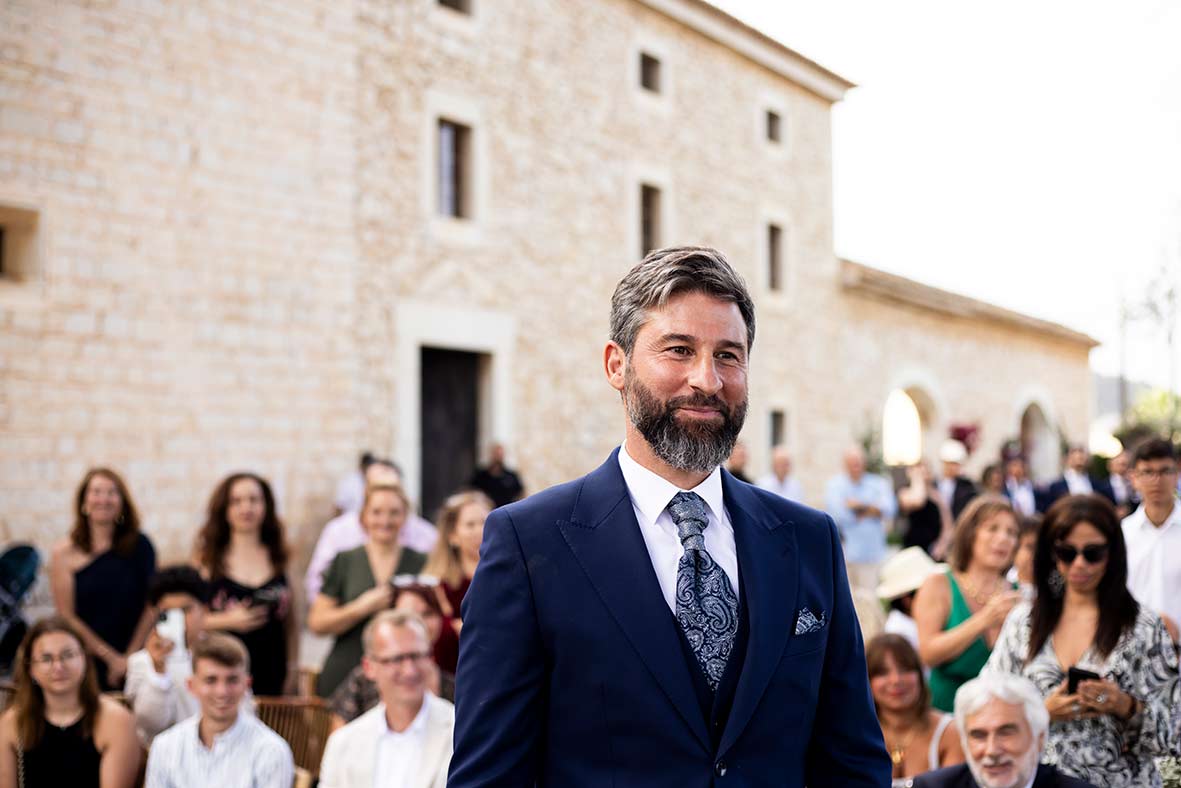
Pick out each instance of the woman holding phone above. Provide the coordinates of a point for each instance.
(1104, 663)
(357, 582)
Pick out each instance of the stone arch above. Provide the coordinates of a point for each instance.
(921, 388)
(1038, 433)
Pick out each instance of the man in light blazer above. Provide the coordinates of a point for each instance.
(404, 741)
(658, 622)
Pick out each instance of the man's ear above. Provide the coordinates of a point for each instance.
(615, 365)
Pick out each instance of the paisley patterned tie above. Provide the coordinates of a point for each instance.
(707, 609)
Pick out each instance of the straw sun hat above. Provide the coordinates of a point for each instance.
(905, 572)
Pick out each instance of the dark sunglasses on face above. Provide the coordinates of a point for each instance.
(1092, 553)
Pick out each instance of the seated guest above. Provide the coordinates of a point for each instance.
(918, 738)
(357, 584)
(959, 613)
(1112, 726)
(1021, 573)
(902, 574)
(1002, 724)
(992, 480)
(220, 747)
(358, 694)
(456, 554)
(1076, 479)
(100, 572)
(345, 532)
(59, 731)
(928, 520)
(779, 480)
(158, 674)
(404, 741)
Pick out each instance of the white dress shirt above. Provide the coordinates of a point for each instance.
(398, 753)
(246, 755)
(789, 488)
(650, 496)
(1154, 561)
(1021, 496)
(1077, 483)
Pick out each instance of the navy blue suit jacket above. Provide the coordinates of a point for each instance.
(571, 673)
(960, 777)
(1059, 489)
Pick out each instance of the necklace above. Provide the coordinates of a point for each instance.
(973, 590)
(898, 749)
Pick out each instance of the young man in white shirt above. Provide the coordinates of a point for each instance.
(404, 741)
(220, 747)
(1153, 532)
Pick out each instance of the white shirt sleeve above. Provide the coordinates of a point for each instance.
(152, 696)
(274, 766)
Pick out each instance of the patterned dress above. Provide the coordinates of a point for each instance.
(1106, 751)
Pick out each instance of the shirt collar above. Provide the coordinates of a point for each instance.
(651, 492)
(229, 734)
(417, 725)
(1174, 518)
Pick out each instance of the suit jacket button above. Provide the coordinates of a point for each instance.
(720, 768)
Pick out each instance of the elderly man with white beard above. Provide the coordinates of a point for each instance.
(1002, 722)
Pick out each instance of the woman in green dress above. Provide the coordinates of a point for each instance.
(357, 584)
(959, 613)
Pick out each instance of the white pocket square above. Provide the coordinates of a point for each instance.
(808, 622)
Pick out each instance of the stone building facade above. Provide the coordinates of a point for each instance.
(228, 245)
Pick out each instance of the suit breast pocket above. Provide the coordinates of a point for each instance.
(806, 643)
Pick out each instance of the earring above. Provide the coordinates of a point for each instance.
(1056, 582)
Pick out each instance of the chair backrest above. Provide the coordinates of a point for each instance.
(302, 722)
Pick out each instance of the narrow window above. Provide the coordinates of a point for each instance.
(649, 218)
(773, 130)
(18, 244)
(778, 428)
(462, 6)
(454, 169)
(649, 72)
(2, 250)
(774, 257)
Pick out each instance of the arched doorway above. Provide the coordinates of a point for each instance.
(1039, 444)
(907, 423)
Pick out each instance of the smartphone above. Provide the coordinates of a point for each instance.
(1075, 675)
(171, 625)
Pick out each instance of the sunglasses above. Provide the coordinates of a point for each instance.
(1092, 553)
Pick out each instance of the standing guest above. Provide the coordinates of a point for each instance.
(99, 574)
(243, 553)
(955, 488)
(1018, 488)
(405, 740)
(357, 584)
(345, 532)
(157, 675)
(457, 553)
(220, 747)
(928, 520)
(350, 490)
(1123, 491)
(779, 480)
(862, 504)
(358, 694)
(497, 480)
(918, 738)
(658, 622)
(1109, 729)
(1075, 479)
(902, 575)
(1002, 725)
(736, 462)
(1153, 533)
(960, 612)
(992, 480)
(59, 731)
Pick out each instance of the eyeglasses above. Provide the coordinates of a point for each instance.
(1092, 553)
(47, 660)
(400, 659)
(1152, 474)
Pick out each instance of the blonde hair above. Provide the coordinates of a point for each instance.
(396, 489)
(444, 561)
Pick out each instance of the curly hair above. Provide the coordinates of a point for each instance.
(214, 537)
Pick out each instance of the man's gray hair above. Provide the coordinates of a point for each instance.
(975, 694)
(672, 271)
(394, 619)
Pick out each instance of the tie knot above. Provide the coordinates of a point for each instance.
(688, 513)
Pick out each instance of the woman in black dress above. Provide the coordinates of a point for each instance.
(59, 730)
(99, 574)
(241, 550)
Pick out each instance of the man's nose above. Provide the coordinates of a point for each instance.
(704, 376)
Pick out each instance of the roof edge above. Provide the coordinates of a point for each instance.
(731, 32)
(876, 283)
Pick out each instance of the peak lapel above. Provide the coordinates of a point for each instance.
(768, 562)
(605, 538)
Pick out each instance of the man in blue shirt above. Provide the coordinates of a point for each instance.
(862, 504)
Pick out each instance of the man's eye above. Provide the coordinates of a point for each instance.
(680, 350)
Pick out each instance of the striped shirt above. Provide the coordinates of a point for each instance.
(247, 755)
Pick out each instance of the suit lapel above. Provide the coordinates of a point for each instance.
(767, 560)
(438, 736)
(605, 538)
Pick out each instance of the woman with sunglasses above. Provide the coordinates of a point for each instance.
(59, 731)
(1107, 730)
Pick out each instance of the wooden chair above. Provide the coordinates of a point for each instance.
(304, 725)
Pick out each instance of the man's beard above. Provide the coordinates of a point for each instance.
(1026, 766)
(698, 447)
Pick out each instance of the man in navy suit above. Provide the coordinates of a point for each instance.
(657, 622)
(1076, 480)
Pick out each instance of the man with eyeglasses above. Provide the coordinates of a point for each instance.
(1153, 532)
(405, 740)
